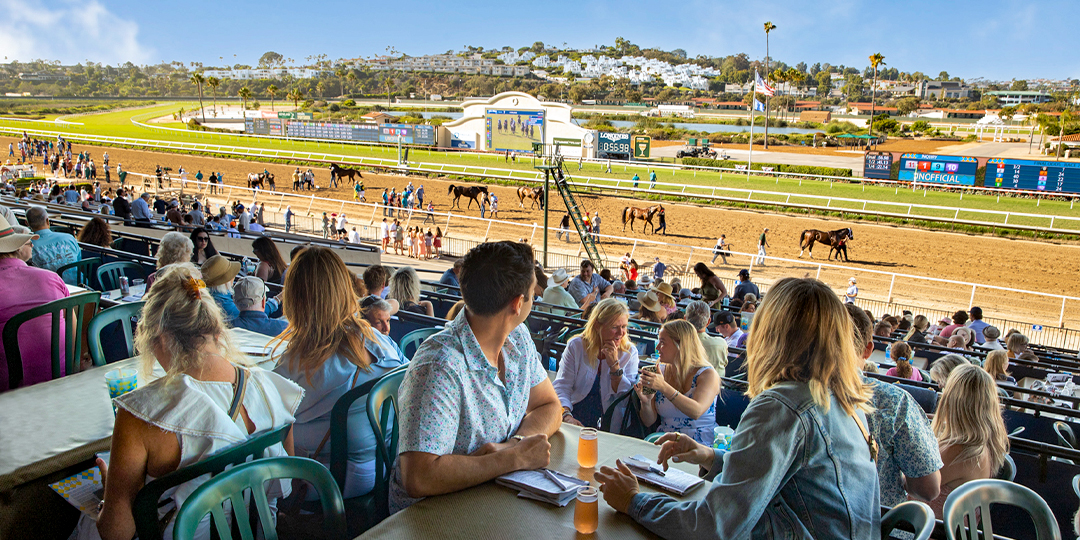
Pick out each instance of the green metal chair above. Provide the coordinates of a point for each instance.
(573, 334)
(918, 514)
(382, 410)
(147, 523)
(83, 269)
(231, 485)
(414, 339)
(108, 275)
(122, 314)
(961, 520)
(1008, 469)
(361, 512)
(1076, 485)
(73, 308)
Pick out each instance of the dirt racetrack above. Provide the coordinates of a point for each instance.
(1021, 264)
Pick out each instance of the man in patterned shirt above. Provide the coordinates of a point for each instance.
(908, 455)
(476, 402)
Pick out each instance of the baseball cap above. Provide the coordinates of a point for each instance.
(248, 291)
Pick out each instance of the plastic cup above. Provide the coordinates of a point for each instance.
(722, 437)
(121, 381)
(586, 449)
(586, 511)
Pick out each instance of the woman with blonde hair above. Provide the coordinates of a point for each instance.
(597, 366)
(207, 401)
(173, 248)
(1016, 344)
(970, 431)
(684, 389)
(330, 350)
(802, 447)
(997, 365)
(749, 304)
(901, 353)
(405, 288)
(944, 366)
(917, 334)
(666, 298)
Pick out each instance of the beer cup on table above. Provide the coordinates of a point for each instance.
(586, 510)
(586, 450)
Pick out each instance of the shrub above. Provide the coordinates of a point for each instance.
(348, 103)
(777, 167)
(334, 107)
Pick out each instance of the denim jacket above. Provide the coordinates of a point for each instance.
(794, 471)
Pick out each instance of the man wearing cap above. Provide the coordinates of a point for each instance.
(249, 294)
(218, 274)
(727, 326)
(557, 295)
(52, 249)
(852, 292)
(23, 287)
(761, 245)
(745, 286)
(588, 281)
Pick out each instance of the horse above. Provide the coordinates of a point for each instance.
(630, 213)
(472, 192)
(339, 172)
(255, 180)
(536, 194)
(831, 238)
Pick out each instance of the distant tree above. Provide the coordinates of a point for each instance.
(213, 83)
(538, 47)
(273, 91)
(1018, 85)
(814, 70)
(943, 76)
(244, 94)
(853, 87)
(634, 96)
(340, 73)
(198, 80)
(577, 93)
(295, 96)
(321, 87)
(824, 83)
(270, 58)
(907, 105)
(681, 53)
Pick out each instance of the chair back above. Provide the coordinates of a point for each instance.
(413, 339)
(108, 275)
(1008, 470)
(145, 507)
(915, 513)
(72, 308)
(121, 314)
(971, 503)
(621, 417)
(82, 271)
(231, 485)
(1065, 434)
(382, 411)
(925, 397)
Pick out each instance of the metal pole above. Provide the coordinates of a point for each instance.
(1061, 317)
(547, 186)
(891, 283)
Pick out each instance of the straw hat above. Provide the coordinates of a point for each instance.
(558, 278)
(664, 289)
(649, 300)
(645, 280)
(10, 238)
(218, 270)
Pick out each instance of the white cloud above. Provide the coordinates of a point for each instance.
(71, 31)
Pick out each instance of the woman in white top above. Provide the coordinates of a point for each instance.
(184, 416)
(685, 390)
(597, 366)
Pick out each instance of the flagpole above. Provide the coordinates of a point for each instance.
(753, 100)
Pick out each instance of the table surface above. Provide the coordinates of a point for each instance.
(50, 426)
(491, 511)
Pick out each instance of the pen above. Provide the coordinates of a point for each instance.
(642, 465)
(551, 476)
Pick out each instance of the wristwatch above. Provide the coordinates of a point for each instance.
(618, 372)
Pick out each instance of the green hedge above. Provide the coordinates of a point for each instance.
(777, 167)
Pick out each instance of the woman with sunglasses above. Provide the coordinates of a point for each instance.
(204, 246)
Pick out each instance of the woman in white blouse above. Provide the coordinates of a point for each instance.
(597, 366)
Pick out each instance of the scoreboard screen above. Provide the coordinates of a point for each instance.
(1032, 175)
(878, 165)
(932, 169)
(612, 143)
(372, 133)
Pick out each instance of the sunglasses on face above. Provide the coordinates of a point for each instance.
(203, 239)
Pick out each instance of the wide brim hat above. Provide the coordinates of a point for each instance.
(558, 278)
(664, 289)
(218, 270)
(10, 237)
(644, 280)
(649, 300)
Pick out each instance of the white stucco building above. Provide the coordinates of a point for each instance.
(495, 124)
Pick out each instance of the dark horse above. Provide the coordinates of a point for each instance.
(472, 192)
(630, 213)
(536, 194)
(831, 238)
(340, 172)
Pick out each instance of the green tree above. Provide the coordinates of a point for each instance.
(853, 87)
(876, 60)
(273, 91)
(634, 96)
(213, 83)
(824, 84)
(943, 76)
(577, 93)
(321, 88)
(244, 94)
(1018, 85)
(270, 58)
(538, 47)
(198, 80)
(352, 78)
(907, 105)
(295, 96)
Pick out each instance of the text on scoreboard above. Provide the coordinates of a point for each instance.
(613, 143)
(878, 165)
(928, 168)
(1032, 175)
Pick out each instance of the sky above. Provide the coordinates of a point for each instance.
(993, 39)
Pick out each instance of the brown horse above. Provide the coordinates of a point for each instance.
(340, 172)
(630, 213)
(472, 192)
(536, 194)
(831, 238)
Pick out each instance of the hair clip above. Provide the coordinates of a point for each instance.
(192, 286)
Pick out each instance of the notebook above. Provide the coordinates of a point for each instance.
(674, 480)
(534, 484)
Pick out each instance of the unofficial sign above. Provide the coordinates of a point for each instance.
(642, 147)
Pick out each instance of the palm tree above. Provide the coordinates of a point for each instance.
(340, 72)
(876, 60)
(769, 27)
(245, 95)
(321, 88)
(272, 90)
(213, 83)
(198, 80)
(295, 96)
(352, 78)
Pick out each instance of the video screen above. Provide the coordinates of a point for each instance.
(955, 170)
(1033, 175)
(514, 130)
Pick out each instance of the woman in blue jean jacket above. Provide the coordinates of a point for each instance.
(801, 461)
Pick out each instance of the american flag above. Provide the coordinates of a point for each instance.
(762, 86)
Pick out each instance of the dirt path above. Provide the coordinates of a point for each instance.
(1020, 264)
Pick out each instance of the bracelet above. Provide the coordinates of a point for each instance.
(673, 396)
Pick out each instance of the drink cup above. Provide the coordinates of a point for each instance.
(587, 449)
(586, 510)
(722, 437)
(121, 381)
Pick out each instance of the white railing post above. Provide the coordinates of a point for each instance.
(689, 258)
(972, 301)
(818, 276)
(1061, 316)
(891, 283)
(633, 249)
(488, 231)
